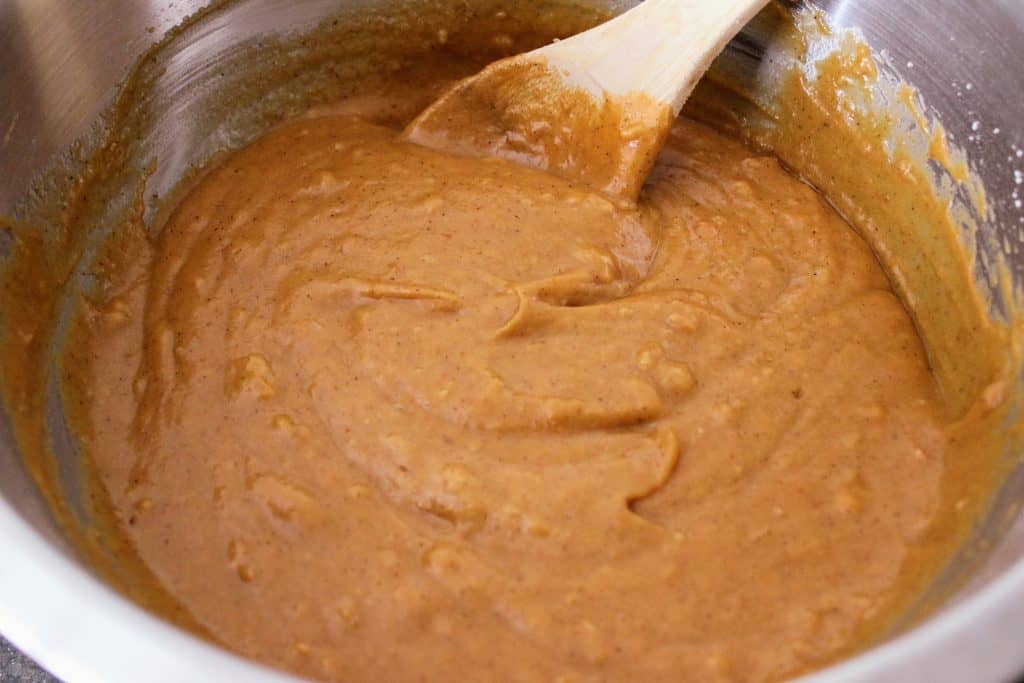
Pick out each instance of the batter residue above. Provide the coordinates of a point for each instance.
(526, 111)
(374, 412)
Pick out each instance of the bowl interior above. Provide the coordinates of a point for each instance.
(64, 60)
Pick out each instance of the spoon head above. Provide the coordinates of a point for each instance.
(536, 112)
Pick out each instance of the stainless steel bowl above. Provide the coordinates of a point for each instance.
(60, 63)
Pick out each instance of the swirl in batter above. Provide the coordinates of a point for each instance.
(374, 412)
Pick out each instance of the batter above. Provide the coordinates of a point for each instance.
(368, 411)
(374, 412)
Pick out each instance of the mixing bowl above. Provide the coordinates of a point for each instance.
(60, 63)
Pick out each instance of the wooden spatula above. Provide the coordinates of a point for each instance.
(596, 107)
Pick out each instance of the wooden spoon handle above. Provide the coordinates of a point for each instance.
(660, 47)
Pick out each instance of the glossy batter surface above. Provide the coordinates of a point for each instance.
(374, 412)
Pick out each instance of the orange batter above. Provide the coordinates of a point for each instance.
(374, 412)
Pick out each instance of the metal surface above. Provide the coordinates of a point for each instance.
(60, 61)
(15, 667)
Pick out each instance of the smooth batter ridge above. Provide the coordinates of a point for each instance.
(374, 412)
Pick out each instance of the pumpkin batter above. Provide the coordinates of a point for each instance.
(369, 411)
(375, 412)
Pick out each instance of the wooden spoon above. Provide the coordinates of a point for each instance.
(594, 108)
